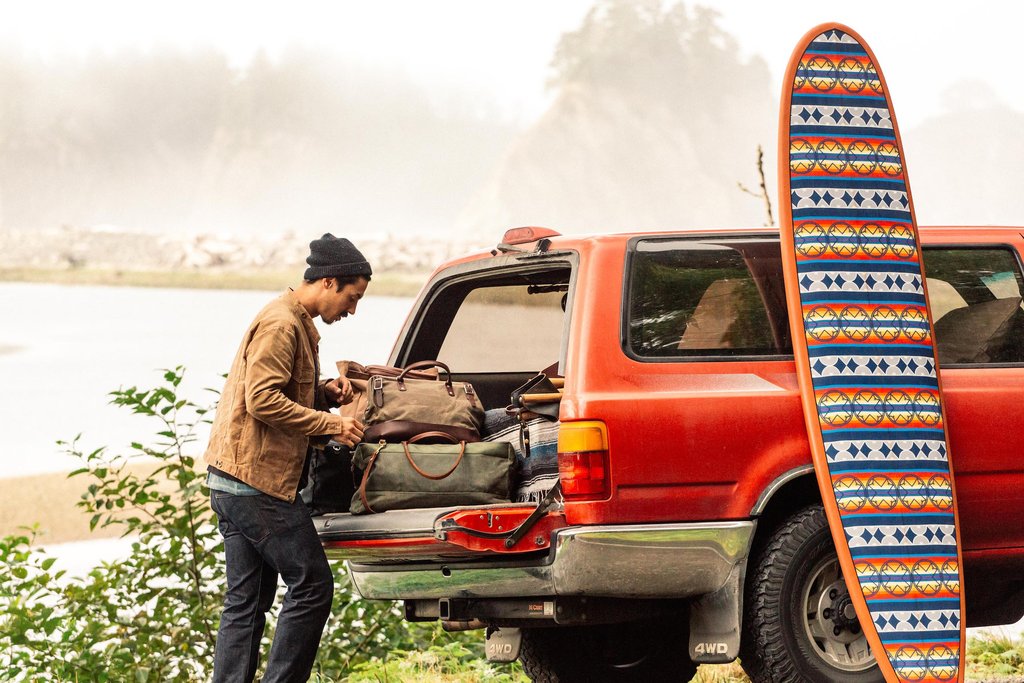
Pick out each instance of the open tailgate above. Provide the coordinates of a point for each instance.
(438, 533)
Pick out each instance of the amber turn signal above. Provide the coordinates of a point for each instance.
(583, 459)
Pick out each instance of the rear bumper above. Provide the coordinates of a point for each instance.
(634, 561)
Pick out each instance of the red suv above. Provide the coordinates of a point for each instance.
(689, 510)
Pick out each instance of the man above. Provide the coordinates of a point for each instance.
(273, 403)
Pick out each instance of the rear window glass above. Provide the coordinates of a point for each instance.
(976, 304)
(707, 297)
(514, 328)
(725, 298)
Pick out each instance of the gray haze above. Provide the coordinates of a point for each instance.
(655, 118)
(175, 141)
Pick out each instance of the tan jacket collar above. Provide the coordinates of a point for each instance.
(302, 314)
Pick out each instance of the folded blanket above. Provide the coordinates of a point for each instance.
(538, 470)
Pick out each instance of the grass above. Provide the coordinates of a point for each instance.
(384, 284)
(990, 660)
(454, 663)
(720, 673)
(992, 657)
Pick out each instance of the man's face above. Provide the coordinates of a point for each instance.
(335, 305)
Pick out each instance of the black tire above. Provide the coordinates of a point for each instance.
(640, 652)
(794, 591)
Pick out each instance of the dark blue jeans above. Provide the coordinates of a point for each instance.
(265, 538)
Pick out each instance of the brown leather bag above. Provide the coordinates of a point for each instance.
(359, 376)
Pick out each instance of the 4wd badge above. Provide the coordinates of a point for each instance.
(711, 648)
(503, 644)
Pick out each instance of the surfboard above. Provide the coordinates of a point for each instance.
(866, 363)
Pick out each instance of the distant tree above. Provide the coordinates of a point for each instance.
(647, 46)
(654, 117)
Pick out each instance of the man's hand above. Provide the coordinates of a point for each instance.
(339, 391)
(352, 433)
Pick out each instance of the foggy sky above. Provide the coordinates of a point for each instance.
(407, 118)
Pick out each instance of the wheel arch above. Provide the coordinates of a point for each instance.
(793, 490)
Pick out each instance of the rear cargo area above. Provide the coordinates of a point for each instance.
(496, 326)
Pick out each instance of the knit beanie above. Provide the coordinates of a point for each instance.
(332, 256)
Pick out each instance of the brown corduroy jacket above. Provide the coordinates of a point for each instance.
(269, 406)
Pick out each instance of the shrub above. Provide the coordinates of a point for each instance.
(153, 616)
(150, 617)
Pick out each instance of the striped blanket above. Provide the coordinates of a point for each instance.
(538, 470)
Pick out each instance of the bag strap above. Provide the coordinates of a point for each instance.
(419, 471)
(366, 475)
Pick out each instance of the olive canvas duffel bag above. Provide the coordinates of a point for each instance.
(409, 474)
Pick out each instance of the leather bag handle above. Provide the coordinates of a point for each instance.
(419, 471)
(434, 433)
(419, 365)
(405, 446)
(366, 475)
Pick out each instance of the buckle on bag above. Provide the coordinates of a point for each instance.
(377, 389)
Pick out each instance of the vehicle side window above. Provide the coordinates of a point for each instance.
(975, 296)
(705, 297)
(514, 328)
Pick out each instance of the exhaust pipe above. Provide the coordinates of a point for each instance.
(452, 626)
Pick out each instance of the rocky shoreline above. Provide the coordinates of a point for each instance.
(102, 248)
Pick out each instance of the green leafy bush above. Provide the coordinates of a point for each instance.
(153, 616)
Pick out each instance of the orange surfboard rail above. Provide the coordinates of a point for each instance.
(866, 363)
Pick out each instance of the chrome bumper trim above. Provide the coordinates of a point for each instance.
(639, 561)
(664, 561)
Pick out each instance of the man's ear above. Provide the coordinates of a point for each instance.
(328, 282)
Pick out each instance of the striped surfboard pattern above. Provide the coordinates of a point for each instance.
(873, 374)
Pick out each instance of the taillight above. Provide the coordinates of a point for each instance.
(528, 234)
(583, 459)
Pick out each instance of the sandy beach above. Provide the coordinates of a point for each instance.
(48, 502)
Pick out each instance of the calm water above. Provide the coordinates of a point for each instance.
(63, 348)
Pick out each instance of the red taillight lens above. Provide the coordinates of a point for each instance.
(582, 474)
(583, 460)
